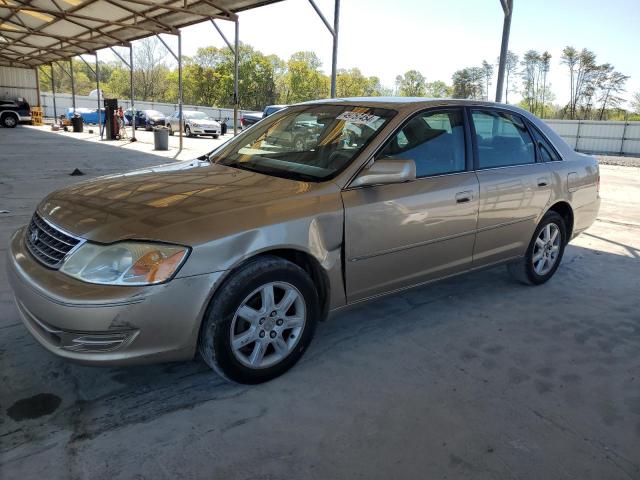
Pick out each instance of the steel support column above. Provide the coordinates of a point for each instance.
(53, 94)
(507, 7)
(236, 62)
(178, 58)
(73, 86)
(334, 58)
(98, 92)
(235, 49)
(180, 86)
(333, 30)
(37, 70)
(133, 110)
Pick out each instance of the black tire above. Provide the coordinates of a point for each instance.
(9, 120)
(170, 130)
(215, 137)
(187, 131)
(523, 270)
(214, 343)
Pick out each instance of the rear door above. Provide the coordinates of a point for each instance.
(404, 234)
(514, 185)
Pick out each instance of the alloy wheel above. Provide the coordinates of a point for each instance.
(546, 249)
(268, 325)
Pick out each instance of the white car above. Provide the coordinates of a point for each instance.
(195, 123)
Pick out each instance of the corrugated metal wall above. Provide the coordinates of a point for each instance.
(18, 82)
(592, 136)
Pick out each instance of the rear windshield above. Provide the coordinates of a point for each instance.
(311, 143)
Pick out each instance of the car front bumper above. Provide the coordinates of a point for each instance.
(103, 324)
(205, 130)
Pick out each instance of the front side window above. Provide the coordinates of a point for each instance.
(313, 142)
(502, 139)
(433, 140)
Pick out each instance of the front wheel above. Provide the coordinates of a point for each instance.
(170, 130)
(260, 322)
(9, 120)
(187, 131)
(544, 253)
(215, 137)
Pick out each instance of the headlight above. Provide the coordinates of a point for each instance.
(125, 263)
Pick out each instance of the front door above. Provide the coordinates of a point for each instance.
(514, 187)
(404, 234)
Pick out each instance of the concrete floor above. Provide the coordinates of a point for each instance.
(475, 377)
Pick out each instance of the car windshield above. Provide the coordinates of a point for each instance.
(313, 142)
(196, 115)
(153, 113)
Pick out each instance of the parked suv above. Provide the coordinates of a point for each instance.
(194, 122)
(239, 254)
(13, 112)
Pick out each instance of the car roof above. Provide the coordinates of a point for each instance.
(398, 103)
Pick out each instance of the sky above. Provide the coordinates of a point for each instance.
(388, 37)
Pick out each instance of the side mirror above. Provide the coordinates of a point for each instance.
(386, 171)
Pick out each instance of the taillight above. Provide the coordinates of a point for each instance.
(242, 122)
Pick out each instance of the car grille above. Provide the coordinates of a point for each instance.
(48, 244)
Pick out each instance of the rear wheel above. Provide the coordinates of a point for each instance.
(170, 130)
(9, 120)
(544, 253)
(260, 322)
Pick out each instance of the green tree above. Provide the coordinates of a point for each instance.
(610, 84)
(468, 83)
(583, 74)
(437, 89)
(510, 70)
(487, 73)
(304, 80)
(635, 102)
(411, 84)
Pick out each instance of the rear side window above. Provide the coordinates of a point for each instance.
(433, 140)
(547, 152)
(503, 139)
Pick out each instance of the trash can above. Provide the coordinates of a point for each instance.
(223, 127)
(77, 123)
(161, 138)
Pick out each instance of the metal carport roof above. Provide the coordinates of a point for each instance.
(39, 32)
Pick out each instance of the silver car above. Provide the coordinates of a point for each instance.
(194, 123)
(237, 256)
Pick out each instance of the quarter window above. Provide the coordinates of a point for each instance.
(502, 139)
(547, 152)
(433, 140)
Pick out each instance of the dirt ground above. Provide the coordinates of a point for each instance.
(473, 378)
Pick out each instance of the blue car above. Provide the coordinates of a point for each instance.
(146, 118)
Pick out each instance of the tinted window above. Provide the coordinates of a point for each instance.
(547, 152)
(434, 140)
(502, 139)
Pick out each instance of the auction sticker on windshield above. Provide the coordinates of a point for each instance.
(358, 117)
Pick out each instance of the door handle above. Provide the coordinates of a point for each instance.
(464, 197)
(543, 182)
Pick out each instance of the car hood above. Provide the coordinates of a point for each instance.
(180, 203)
